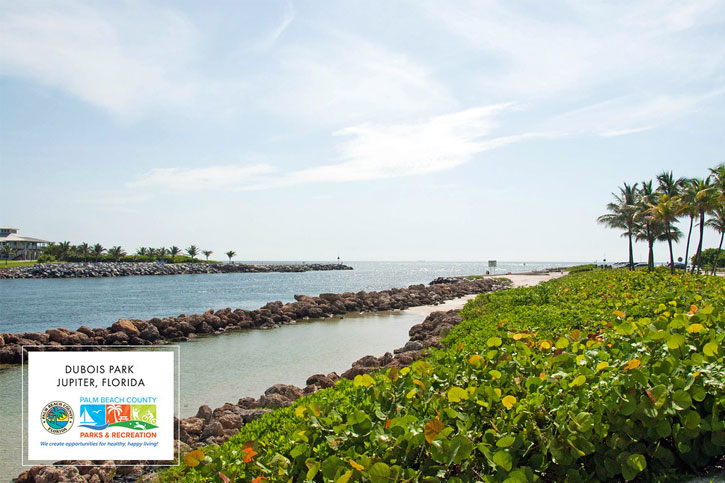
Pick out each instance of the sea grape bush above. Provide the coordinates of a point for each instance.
(604, 376)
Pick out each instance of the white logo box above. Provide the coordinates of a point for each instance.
(122, 402)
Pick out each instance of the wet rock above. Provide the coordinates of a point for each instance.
(214, 428)
(230, 420)
(193, 426)
(320, 380)
(116, 338)
(204, 413)
(127, 326)
(285, 390)
(274, 401)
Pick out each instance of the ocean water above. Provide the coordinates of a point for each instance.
(40, 304)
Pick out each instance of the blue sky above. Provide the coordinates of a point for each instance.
(375, 130)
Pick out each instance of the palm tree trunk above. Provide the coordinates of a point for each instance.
(687, 248)
(651, 256)
(631, 256)
(717, 254)
(672, 256)
(699, 245)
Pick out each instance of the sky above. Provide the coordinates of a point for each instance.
(369, 130)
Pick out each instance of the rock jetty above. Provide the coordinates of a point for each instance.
(218, 425)
(126, 269)
(127, 332)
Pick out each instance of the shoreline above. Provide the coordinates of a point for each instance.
(215, 426)
(130, 269)
(132, 332)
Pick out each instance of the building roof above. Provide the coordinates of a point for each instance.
(7, 228)
(14, 237)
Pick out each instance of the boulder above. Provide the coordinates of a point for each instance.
(286, 390)
(320, 380)
(193, 425)
(204, 413)
(127, 326)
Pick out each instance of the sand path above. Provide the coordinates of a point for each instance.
(519, 280)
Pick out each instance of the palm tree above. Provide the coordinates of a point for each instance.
(717, 174)
(622, 214)
(7, 251)
(84, 249)
(161, 253)
(669, 185)
(718, 223)
(647, 228)
(116, 253)
(688, 208)
(173, 251)
(231, 254)
(706, 199)
(193, 251)
(207, 254)
(665, 211)
(98, 250)
(142, 252)
(63, 250)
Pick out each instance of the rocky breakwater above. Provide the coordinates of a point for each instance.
(216, 426)
(126, 332)
(126, 269)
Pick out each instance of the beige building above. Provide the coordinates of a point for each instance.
(23, 247)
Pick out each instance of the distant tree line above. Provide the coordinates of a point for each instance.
(85, 252)
(650, 214)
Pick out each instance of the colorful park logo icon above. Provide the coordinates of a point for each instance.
(57, 417)
(132, 416)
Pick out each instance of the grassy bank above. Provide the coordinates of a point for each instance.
(601, 375)
(16, 263)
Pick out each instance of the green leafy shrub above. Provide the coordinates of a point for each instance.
(605, 375)
(581, 268)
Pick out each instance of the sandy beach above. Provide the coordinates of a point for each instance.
(518, 280)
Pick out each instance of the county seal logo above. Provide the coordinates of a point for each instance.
(57, 417)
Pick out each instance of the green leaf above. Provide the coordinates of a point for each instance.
(581, 445)
(675, 341)
(345, 477)
(330, 467)
(664, 429)
(578, 381)
(584, 422)
(562, 343)
(659, 394)
(457, 394)
(494, 341)
(691, 420)
(637, 461)
(503, 459)
(313, 466)
(364, 380)
(460, 448)
(711, 349)
(379, 473)
(681, 400)
(505, 442)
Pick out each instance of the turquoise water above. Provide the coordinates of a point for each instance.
(40, 304)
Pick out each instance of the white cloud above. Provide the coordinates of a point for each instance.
(576, 49)
(368, 152)
(126, 58)
(334, 78)
(195, 179)
(627, 115)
